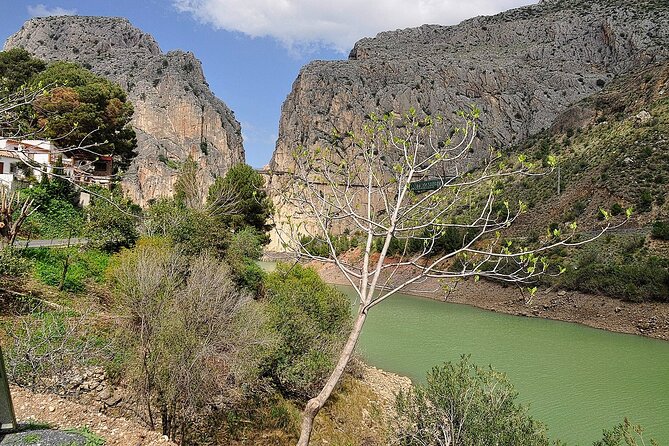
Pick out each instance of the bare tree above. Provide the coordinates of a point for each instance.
(14, 210)
(402, 185)
(192, 334)
(11, 106)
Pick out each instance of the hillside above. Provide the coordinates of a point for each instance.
(176, 115)
(613, 149)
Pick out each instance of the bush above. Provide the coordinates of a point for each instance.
(244, 249)
(12, 263)
(192, 336)
(311, 320)
(661, 230)
(616, 209)
(468, 405)
(319, 247)
(638, 281)
(112, 221)
(645, 201)
(624, 434)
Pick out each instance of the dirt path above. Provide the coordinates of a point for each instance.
(649, 319)
(65, 414)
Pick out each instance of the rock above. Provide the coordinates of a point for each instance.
(113, 400)
(175, 111)
(104, 394)
(643, 117)
(618, 310)
(522, 67)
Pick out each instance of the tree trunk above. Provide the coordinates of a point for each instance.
(315, 404)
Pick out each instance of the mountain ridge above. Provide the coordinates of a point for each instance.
(176, 114)
(522, 68)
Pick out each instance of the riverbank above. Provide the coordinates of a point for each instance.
(649, 319)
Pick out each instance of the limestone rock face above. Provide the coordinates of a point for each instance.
(521, 67)
(176, 115)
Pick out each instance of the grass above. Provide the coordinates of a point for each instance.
(31, 438)
(92, 439)
(352, 416)
(83, 266)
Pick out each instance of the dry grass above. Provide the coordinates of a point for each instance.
(353, 416)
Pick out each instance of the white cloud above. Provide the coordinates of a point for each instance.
(334, 23)
(41, 10)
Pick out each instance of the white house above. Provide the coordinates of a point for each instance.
(8, 164)
(29, 152)
(18, 155)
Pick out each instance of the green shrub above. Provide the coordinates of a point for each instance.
(624, 434)
(111, 221)
(616, 209)
(244, 249)
(661, 230)
(319, 247)
(315, 246)
(645, 201)
(12, 263)
(471, 405)
(638, 281)
(311, 320)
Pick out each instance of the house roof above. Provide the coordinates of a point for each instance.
(31, 146)
(9, 154)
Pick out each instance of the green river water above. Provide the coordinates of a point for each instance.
(576, 379)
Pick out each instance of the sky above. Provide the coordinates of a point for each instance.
(252, 50)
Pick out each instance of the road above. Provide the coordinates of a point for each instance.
(55, 242)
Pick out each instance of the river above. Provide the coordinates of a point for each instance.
(578, 380)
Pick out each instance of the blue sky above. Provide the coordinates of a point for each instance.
(252, 50)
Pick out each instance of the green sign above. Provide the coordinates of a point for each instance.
(424, 186)
(7, 418)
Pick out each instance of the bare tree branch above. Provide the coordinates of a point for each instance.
(376, 184)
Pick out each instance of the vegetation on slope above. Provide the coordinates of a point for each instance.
(613, 152)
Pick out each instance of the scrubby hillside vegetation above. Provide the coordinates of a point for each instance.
(613, 151)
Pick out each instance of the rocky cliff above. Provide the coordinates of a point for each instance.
(176, 115)
(521, 67)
